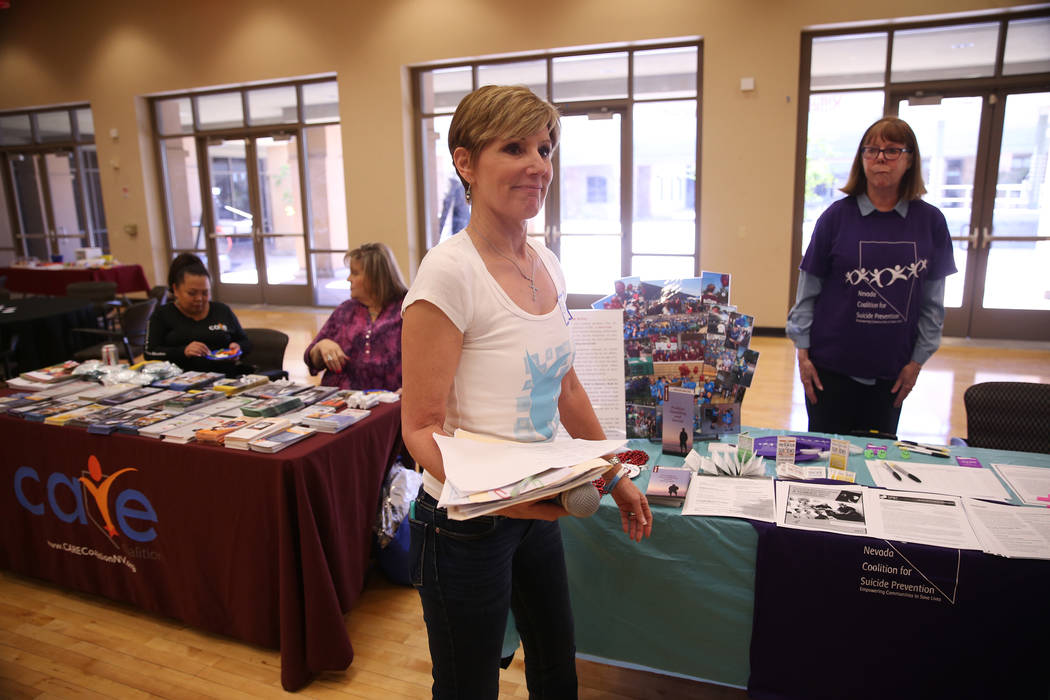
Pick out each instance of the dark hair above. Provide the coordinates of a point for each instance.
(898, 131)
(497, 112)
(185, 264)
(380, 267)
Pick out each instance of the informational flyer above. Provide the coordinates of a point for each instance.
(597, 335)
(732, 497)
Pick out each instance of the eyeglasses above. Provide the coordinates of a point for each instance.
(871, 152)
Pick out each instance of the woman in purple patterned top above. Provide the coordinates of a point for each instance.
(359, 346)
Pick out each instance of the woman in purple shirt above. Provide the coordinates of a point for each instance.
(359, 346)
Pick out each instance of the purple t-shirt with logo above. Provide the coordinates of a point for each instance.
(873, 268)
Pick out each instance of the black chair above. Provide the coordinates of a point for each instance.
(267, 353)
(160, 293)
(1008, 416)
(7, 357)
(102, 294)
(129, 337)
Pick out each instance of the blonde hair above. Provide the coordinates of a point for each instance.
(380, 268)
(499, 112)
(898, 131)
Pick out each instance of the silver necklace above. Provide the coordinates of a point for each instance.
(529, 255)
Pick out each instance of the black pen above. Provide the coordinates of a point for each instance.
(911, 476)
(892, 471)
(932, 450)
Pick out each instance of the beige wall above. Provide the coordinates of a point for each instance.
(112, 53)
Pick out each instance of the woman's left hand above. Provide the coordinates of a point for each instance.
(635, 516)
(905, 382)
(235, 347)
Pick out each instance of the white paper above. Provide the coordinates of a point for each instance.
(805, 472)
(1011, 531)
(597, 335)
(924, 518)
(838, 509)
(476, 465)
(948, 479)
(905, 516)
(1029, 483)
(732, 497)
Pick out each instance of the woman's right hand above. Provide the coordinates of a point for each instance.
(196, 349)
(808, 374)
(328, 354)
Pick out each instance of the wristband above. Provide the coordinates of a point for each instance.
(616, 479)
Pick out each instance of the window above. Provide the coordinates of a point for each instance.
(50, 165)
(596, 190)
(974, 90)
(253, 182)
(623, 200)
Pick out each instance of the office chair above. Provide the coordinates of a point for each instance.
(160, 293)
(103, 296)
(1008, 416)
(130, 337)
(7, 357)
(267, 353)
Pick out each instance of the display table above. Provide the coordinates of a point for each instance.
(268, 549)
(683, 601)
(53, 281)
(44, 328)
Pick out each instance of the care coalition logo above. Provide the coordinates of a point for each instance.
(93, 498)
(98, 485)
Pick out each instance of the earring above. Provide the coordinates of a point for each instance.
(466, 193)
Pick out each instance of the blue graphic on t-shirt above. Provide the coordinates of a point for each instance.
(543, 384)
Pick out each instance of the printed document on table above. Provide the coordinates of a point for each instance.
(1022, 532)
(905, 516)
(477, 465)
(1029, 483)
(838, 509)
(939, 478)
(923, 518)
(732, 497)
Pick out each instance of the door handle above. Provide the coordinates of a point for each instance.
(973, 238)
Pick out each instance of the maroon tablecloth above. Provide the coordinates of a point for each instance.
(269, 549)
(129, 278)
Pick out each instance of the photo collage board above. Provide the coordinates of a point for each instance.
(687, 362)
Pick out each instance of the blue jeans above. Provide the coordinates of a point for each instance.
(469, 573)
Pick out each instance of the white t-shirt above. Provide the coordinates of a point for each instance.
(509, 376)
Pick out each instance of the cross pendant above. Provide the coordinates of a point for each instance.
(533, 287)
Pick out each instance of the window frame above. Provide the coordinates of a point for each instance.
(426, 199)
(891, 91)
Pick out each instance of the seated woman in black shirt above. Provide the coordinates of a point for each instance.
(188, 329)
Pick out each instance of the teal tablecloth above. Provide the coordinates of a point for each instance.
(681, 602)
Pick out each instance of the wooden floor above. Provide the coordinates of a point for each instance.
(59, 644)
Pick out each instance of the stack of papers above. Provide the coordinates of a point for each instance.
(240, 438)
(324, 420)
(280, 440)
(483, 475)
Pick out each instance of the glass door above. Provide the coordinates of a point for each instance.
(68, 225)
(50, 204)
(257, 239)
(984, 163)
(29, 205)
(1013, 288)
(588, 233)
(948, 131)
